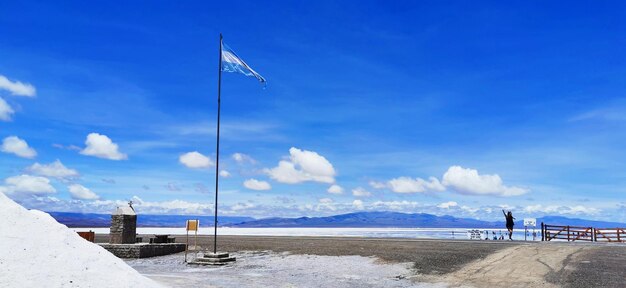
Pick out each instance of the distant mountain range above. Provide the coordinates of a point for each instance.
(143, 220)
(370, 220)
(404, 220)
(350, 220)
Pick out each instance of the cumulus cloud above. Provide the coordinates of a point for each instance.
(377, 185)
(447, 205)
(402, 206)
(224, 174)
(17, 88)
(303, 166)
(169, 207)
(243, 158)
(417, 185)
(81, 192)
(254, 184)
(27, 184)
(5, 111)
(561, 209)
(360, 192)
(468, 181)
(241, 206)
(55, 169)
(335, 189)
(326, 200)
(68, 147)
(195, 160)
(17, 146)
(101, 146)
(357, 204)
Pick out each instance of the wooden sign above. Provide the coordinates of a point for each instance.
(192, 225)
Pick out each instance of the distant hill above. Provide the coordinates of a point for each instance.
(104, 220)
(373, 219)
(350, 220)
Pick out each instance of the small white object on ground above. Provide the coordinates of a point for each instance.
(37, 251)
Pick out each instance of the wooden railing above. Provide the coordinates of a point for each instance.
(610, 235)
(577, 233)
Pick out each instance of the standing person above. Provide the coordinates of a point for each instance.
(509, 223)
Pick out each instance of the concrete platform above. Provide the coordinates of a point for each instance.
(215, 259)
(143, 250)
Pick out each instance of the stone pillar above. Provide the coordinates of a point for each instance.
(123, 226)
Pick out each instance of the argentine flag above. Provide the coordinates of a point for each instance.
(232, 63)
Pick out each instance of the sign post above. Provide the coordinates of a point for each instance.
(192, 225)
(529, 222)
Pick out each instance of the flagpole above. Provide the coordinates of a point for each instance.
(217, 154)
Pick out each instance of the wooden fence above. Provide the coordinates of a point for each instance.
(577, 233)
(610, 235)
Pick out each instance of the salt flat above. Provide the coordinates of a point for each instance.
(270, 269)
(422, 233)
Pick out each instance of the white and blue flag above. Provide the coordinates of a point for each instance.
(232, 63)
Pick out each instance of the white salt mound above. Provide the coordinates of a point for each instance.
(37, 251)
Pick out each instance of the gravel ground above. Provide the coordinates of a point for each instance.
(601, 266)
(573, 264)
(428, 256)
(271, 269)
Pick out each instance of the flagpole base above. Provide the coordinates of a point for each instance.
(214, 259)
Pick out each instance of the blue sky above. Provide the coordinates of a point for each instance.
(438, 107)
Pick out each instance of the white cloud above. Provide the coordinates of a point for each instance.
(171, 207)
(5, 111)
(360, 192)
(81, 192)
(224, 174)
(417, 185)
(377, 185)
(404, 206)
(303, 166)
(447, 205)
(254, 184)
(68, 147)
(55, 169)
(243, 158)
(27, 184)
(17, 146)
(326, 201)
(335, 189)
(101, 146)
(195, 160)
(17, 88)
(561, 209)
(357, 204)
(241, 206)
(468, 181)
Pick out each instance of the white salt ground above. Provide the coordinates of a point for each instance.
(37, 251)
(269, 269)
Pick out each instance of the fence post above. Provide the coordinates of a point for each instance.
(567, 233)
(617, 230)
(543, 234)
(593, 235)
